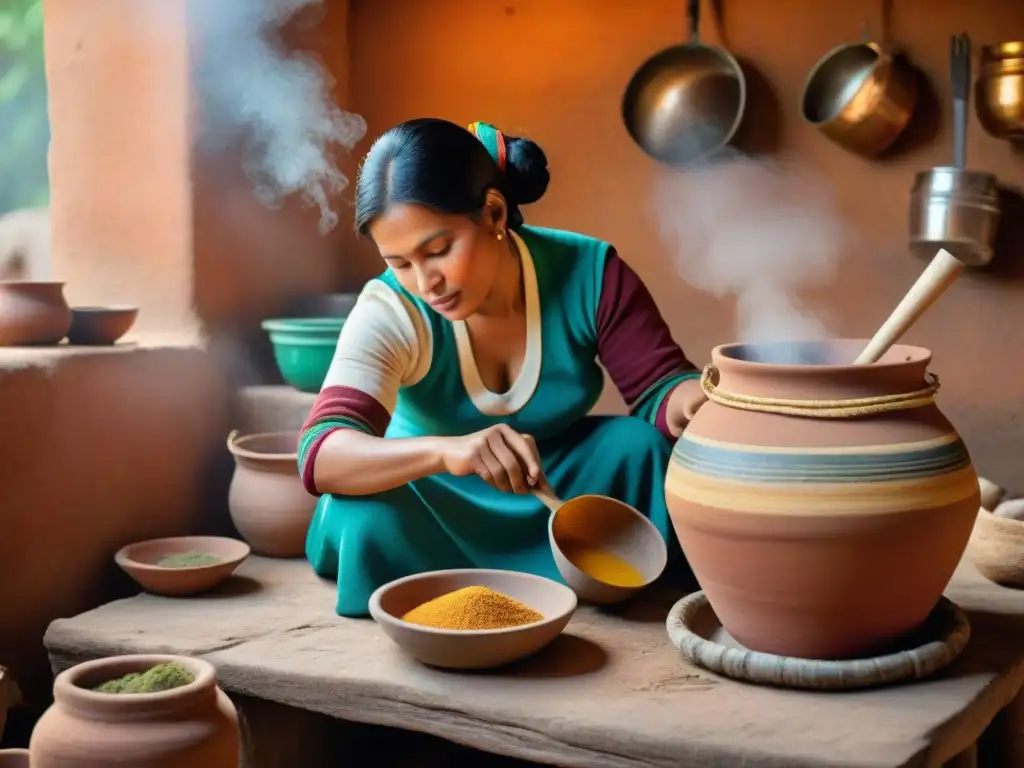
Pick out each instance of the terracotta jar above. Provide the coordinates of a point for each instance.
(268, 504)
(4, 703)
(33, 313)
(828, 531)
(10, 696)
(14, 758)
(194, 725)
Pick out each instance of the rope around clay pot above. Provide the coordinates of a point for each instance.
(820, 409)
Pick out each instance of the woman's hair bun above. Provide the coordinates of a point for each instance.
(526, 170)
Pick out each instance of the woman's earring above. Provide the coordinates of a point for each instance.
(501, 235)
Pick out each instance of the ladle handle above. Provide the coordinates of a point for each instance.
(546, 494)
(694, 13)
(960, 75)
(932, 283)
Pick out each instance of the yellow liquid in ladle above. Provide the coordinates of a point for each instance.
(601, 564)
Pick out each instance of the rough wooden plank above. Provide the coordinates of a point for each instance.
(610, 693)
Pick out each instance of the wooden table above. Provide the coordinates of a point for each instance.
(611, 692)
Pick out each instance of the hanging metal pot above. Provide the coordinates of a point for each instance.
(999, 91)
(686, 102)
(952, 207)
(861, 96)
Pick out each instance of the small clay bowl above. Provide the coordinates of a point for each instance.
(14, 758)
(602, 523)
(472, 648)
(96, 326)
(997, 548)
(139, 561)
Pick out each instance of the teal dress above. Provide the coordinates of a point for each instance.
(443, 521)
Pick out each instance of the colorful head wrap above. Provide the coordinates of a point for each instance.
(493, 141)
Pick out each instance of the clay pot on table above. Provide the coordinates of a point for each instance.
(267, 501)
(194, 725)
(817, 537)
(10, 696)
(14, 758)
(33, 313)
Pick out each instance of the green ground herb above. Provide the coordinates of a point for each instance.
(162, 677)
(190, 559)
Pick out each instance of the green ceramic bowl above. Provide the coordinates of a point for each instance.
(304, 348)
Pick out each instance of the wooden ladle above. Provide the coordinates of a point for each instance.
(594, 522)
(591, 501)
(926, 290)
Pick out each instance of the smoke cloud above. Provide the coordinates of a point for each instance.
(758, 231)
(274, 104)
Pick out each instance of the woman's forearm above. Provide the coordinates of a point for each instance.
(353, 463)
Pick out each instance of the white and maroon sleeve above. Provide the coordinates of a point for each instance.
(385, 344)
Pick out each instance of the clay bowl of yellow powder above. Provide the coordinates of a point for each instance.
(604, 549)
(472, 618)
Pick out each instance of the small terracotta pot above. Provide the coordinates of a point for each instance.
(33, 313)
(821, 538)
(4, 703)
(268, 504)
(195, 725)
(14, 758)
(10, 696)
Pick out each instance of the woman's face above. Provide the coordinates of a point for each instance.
(449, 261)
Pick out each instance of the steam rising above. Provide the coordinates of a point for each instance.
(273, 104)
(759, 231)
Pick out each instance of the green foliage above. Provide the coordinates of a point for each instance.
(24, 124)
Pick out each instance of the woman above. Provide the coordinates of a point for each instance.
(465, 372)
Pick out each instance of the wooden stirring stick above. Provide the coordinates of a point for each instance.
(932, 283)
(547, 495)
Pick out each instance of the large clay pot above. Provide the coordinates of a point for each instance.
(813, 536)
(268, 503)
(33, 313)
(195, 725)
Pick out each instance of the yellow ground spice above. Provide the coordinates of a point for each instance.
(472, 608)
(601, 564)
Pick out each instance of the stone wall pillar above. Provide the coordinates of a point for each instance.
(103, 447)
(121, 201)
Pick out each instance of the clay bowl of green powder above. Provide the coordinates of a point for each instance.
(181, 565)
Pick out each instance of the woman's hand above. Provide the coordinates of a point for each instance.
(683, 403)
(501, 456)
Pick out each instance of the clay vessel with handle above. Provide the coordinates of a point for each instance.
(602, 523)
(186, 727)
(266, 499)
